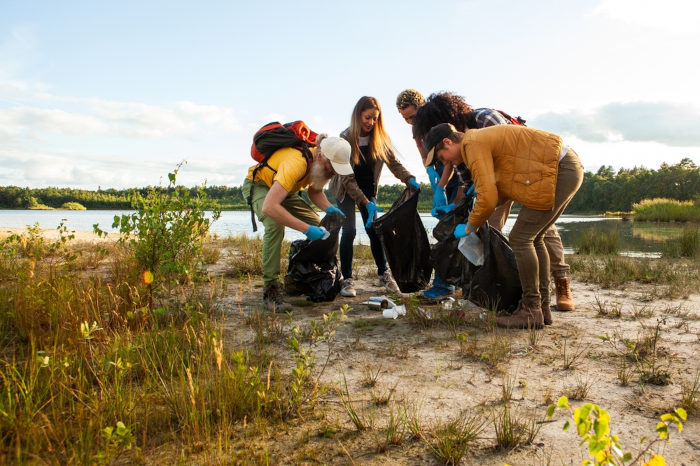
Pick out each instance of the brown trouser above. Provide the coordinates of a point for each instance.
(552, 240)
(527, 236)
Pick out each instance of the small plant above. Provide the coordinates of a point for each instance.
(593, 426)
(570, 357)
(614, 311)
(690, 395)
(579, 389)
(651, 362)
(449, 442)
(642, 312)
(301, 373)
(512, 431)
(117, 439)
(344, 395)
(507, 388)
(624, 372)
(370, 374)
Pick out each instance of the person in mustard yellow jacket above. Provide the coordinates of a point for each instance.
(522, 164)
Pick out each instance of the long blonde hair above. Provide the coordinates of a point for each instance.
(379, 143)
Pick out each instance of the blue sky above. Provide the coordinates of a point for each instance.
(115, 94)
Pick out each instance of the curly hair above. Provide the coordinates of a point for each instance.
(441, 107)
(409, 97)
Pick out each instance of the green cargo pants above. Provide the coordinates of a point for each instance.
(274, 232)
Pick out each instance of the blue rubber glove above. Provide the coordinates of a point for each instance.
(412, 182)
(461, 230)
(433, 176)
(439, 197)
(439, 212)
(372, 210)
(334, 209)
(314, 232)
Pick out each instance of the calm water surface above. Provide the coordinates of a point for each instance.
(635, 238)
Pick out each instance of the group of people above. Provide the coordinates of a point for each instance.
(460, 147)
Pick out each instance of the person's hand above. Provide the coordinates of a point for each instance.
(461, 230)
(439, 197)
(412, 182)
(433, 176)
(372, 209)
(332, 208)
(439, 212)
(314, 232)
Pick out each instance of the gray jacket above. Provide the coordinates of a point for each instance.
(346, 184)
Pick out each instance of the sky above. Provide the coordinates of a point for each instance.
(116, 94)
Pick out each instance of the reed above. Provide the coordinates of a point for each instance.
(687, 245)
(598, 242)
(666, 210)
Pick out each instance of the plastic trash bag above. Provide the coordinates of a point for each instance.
(405, 242)
(494, 284)
(313, 265)
(472, 248)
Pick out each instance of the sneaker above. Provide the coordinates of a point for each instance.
(388, 282)
(272, 300)
(348, 288)
(438, 292)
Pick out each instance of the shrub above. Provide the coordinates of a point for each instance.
(167, 231)
(72, 206)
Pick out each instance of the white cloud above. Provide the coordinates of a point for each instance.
(675, 16)
(667, 123)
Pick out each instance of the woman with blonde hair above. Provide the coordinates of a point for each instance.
(371, 149)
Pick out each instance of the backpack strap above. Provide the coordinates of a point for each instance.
(308, 156)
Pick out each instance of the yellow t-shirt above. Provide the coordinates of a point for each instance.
(290, 165)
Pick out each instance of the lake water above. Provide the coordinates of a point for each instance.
(635, 238)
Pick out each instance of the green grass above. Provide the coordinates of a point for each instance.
(687, 245)
(666, 210)
(671, 277)
(598, 242)
(90, 373)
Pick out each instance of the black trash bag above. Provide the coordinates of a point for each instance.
(496, 283)
(313, 265)
(405, 242)
(449, 263)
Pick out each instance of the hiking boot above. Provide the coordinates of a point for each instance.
(272, 299)
(565, 301)
(523, 317)
(348, 288)
(388, 282)
(438, 292)
(547, 313)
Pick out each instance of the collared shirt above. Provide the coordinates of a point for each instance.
(488, 117)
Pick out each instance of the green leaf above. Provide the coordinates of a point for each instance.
(550, 410)
(563, 402)
(567, 424)
(681, 413)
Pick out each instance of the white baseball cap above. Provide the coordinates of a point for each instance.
(337, 151)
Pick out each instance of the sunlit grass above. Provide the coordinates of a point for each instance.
(666, 210)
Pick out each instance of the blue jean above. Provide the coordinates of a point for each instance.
(347, 238)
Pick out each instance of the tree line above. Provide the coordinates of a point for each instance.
(603, 191)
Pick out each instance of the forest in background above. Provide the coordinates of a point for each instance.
(602, 191)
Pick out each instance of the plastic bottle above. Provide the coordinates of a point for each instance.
(472, 248)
